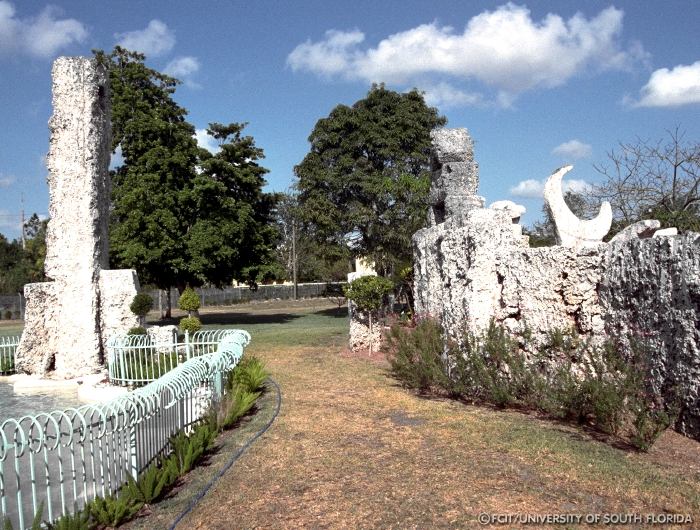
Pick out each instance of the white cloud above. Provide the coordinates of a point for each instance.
(183, 68)
(505, 49)
(573, 150)
(6, 180)
(41, 36)
(206, 141)
(155, 39)
(671, 88)
(534, 189)
(445, 95)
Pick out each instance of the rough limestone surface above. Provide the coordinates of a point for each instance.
(650, 290)
(38, 337)
(455, 176)
(570, 230)
(474, 269)
(638, 230)
(117, 291)
(164, 337)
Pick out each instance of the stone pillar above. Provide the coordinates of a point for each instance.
(455, 178)
(117, 291)
(69, 337)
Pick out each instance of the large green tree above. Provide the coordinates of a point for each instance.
(365, 181)
(180, 214)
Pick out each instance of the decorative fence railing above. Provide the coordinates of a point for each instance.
(135, 360)
(63, 459)
(8, 348)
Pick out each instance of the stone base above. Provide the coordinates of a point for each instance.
(37, 347)
(360, 337)
(117, 291)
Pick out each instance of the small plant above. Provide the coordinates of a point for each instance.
(189, 301)
(139, 330)
(190, 325)
(416, 355)
(149, 487)
(367, 293)
(79, 520)
(250, 374)
(140, 306)
(112, 511)
(241, 403)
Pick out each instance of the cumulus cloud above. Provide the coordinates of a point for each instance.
(445, 95)
(534, 189)
(206, 141)
(183, 68)
(43, 35)
(573, 150)
(505, 49)
(671, 88)
(155, 39)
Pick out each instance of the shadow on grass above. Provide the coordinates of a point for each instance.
(335, 312)
(236, 318)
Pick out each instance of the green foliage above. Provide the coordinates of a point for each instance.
(138, 330)
(416, 355)
(19, 266)
(368, 292)
(250, 374)
(36, 522)
(149, 487)
(112, 511)
(141, 305)
(366, 177)
(190, 324)
(79, 520)
(566, 378)
(181, 215)
(189, 301)
(189, 449)
(240, 402)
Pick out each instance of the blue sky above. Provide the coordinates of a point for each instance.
(538, 84)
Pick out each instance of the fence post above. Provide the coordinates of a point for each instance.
(187, 344)
(133, 454)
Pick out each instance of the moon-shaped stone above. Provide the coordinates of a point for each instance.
(572, 231)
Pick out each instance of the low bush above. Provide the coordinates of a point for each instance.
(190, 325)
(138, 330)
(189, 301)
(250, 374)
(141, 305)
(566, 377)
(112, 511)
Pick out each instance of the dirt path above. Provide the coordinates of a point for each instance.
(352, 450)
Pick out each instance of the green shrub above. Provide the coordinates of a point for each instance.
(239, 403)
(250, 374)
(187, 450)
(567, 378)
(141, 305)
(112, 511)
(150, 485)
(139, 330)
(416, 356)
(189, 301)
(79, 520)
(190, 325)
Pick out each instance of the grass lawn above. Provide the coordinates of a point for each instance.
(351, 449)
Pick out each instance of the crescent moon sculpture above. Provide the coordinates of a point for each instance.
(570, 230)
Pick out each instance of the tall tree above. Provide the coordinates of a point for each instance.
(653, 180)
(365, 181)
(182, 215)
(238, 237)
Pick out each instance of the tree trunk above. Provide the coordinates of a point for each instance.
(168, 304)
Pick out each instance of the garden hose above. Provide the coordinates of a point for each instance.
(233, 459)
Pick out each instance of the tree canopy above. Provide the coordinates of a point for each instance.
(180, 214)
(365, 181)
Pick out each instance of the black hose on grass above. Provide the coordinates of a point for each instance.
(233, 459)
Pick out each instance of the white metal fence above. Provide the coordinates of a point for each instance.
(63, 459)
